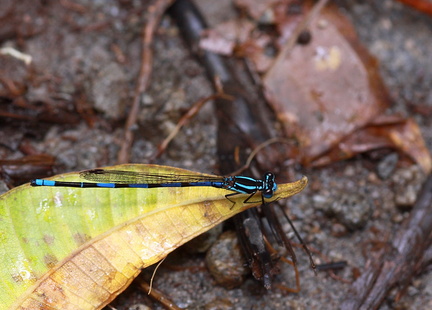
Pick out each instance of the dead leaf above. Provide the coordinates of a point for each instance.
(327, 89)
(385, 132)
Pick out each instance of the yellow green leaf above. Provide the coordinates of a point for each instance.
(78, 248)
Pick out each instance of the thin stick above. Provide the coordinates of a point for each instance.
(256, 150)
(305, 248)
(273, 251)
(158, 295)
(155, 13)
(196, 107)
(154, 274)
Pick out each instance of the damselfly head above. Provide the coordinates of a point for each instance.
(270, 185)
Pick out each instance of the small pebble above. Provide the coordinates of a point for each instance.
(225, 261)
(406, 185)
(139, 307)
(398, 218)
(387, 166)
(338, 230)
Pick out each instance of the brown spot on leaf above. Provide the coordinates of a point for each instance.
(48, 239)
(17, 278)
(209, 212)
(50, 260)
(80, 239)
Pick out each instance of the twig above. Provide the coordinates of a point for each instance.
(196, 107)
(257, 150)
(26, 58)
(155, 13)
(157, 295)
(154, 275)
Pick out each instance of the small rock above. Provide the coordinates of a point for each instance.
(405, 199)
(338, 230)
(139, 307)
(387, 166)
(398, 218)
(406, 184)
(225, 261)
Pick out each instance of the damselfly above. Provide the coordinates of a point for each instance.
(101, 178)
(130, 179)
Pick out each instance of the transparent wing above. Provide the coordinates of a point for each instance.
(131, 177)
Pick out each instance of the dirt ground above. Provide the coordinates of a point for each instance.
(72, 51)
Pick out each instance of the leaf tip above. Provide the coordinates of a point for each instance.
(290, 189)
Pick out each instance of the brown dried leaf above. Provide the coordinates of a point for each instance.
(385, 132)
(326, 89)
(328, 94)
